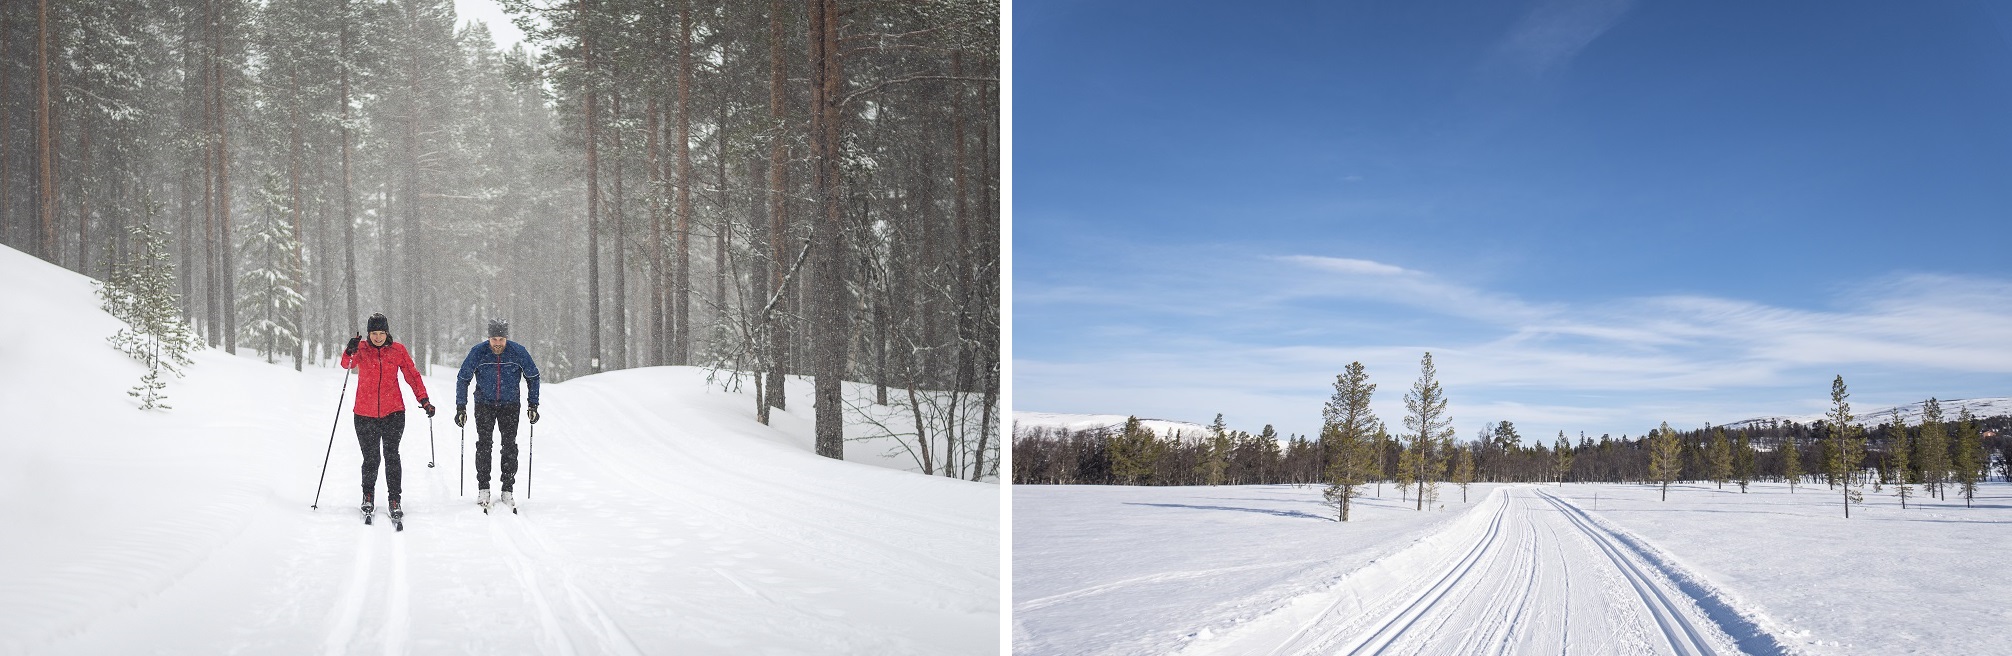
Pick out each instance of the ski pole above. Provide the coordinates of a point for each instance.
(464, 459)
(331, 441)
(430, 453)
(531, 465)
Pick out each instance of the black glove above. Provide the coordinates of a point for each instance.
(533, 414)
(351, 349)
(428, 407)
(461, 415)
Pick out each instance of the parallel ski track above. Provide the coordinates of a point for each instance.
(1684, 637)
(349, 608)
(589, 613)
(1394, 625)
(527, 577)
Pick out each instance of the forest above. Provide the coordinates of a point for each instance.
(768, 189)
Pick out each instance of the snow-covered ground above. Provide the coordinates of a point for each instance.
(658, 517)
(1593, 569)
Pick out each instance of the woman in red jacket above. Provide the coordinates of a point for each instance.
(380, 406)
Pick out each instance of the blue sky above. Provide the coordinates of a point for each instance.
(1597, 215)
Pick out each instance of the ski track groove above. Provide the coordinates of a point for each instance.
(1164, 577)
(1394, 626)
(349, 607)
(398, 628)
(528, 578)
(613, 640)
(1683, 637)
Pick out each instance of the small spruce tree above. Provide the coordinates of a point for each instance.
(1743, 461)
(1791, 461)
(1463, 471)
(1347, 430)
(1563, 464)
(1897, 448)
(1932, 449)
(141, 293)
(1967, 462)
(1665, 457)
(1720, 455)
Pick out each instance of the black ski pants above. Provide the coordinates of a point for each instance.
(503, 419)
(380, 435)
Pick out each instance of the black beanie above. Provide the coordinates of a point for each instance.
(378, 322)
(499, 328)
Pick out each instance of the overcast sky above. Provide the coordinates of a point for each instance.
(487, 11)
(1597, 215)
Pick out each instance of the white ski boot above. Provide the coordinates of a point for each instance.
(511, 502)
(482, 499)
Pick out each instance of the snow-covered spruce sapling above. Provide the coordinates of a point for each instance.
(141, 293)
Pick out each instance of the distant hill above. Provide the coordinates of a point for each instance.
(1024, 421)
(1910, 413)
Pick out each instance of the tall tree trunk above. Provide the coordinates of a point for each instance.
(778, 215)
(681, 286)
(964, 257)
(212, 260)
(621, 295)
(655, 348)
(348, 213)
(45, 134)
(593, 201)
(830, 337)
(415, 200)
(84, 194)
(227, 276)
(299, 258)
(723, 231)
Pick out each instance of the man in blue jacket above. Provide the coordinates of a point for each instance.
(495, 365)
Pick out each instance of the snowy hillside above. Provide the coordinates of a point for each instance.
(657, 517)
(1023, 421)
(1910, 413)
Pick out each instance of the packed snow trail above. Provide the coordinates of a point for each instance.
(664, 518)
(1522, 573)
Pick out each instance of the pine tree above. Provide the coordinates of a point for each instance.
(141, 293)
(1463, 472)
(1380, 466)
(1897, 446)
(1932, 449)
(1968, 460)
(1217, 460)
(1720, 455)
(1564, 455)
(1425, 416)
(1346, 432)
(1665, 457)
(1132, 453)
(1847, 450)
(1743, 461)
(1791, 463)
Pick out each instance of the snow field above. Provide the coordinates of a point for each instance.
(657, 517)
(1573, 569)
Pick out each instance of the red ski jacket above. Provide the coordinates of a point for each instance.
(377, 370)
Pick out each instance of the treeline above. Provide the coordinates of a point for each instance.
(1940, 454)
(788, 189)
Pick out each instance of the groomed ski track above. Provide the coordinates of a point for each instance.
(1525, 572)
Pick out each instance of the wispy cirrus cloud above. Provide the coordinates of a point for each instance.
(1602, 366)
(1554, 31)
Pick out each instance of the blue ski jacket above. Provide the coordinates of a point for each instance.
(496, 375)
